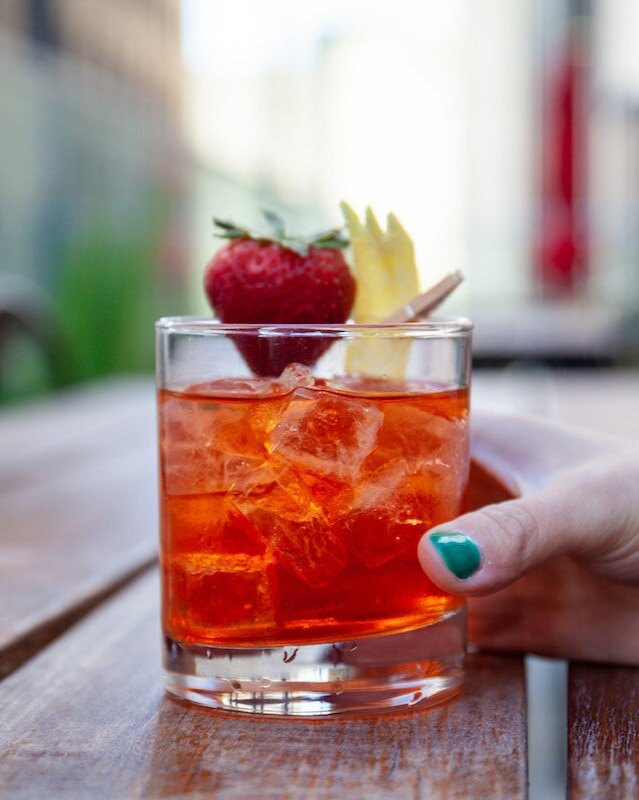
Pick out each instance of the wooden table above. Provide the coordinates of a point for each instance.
(82, 711)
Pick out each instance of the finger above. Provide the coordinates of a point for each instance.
(590, 513)
(527, 453)
(534, 616)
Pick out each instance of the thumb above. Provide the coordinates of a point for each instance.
(590, 513)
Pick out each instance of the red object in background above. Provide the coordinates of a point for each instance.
(562, 247)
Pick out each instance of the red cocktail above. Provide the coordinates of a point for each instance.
(291, 511)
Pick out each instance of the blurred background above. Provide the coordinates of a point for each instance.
(504, 135)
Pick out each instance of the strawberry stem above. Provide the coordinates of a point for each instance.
(276, 223)
(334, 238)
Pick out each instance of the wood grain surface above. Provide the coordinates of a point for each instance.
(78, 509)
(87, 718)
(603, 732)
(85, 715)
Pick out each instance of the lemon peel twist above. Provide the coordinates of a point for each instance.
(387, 278)
(384, 265)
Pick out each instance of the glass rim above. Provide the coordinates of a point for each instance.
(432, 327)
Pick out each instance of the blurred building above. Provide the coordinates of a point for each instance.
(134, 42)
(94, 183)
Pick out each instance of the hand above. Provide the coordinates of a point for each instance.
(555, 571)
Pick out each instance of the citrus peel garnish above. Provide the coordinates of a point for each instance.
(384, 265)
(387, 278)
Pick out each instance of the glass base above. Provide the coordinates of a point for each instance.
(385, 673)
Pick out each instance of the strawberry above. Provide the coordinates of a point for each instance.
(282, 279)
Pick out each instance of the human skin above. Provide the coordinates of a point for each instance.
(558, 571)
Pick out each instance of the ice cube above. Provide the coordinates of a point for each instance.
(395, 507)
(206, 446)
(291, 523)
(296, 376)
(207, 523)
(212, 590)
(326, 434)
(331, 495)
(419, 439)
(264, 413)
(239, 387)
(376, 595)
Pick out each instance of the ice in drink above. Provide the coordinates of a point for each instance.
(292, 508)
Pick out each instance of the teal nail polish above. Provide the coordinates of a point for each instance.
(461, 555)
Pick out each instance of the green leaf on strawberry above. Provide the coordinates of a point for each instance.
(332, 239)
(276, 222)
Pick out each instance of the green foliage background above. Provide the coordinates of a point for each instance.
(109, 287)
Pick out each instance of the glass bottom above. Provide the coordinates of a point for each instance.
(415, 668)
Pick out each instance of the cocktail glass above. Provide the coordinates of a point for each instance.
(291, 508)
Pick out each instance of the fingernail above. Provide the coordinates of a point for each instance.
(461, 555)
